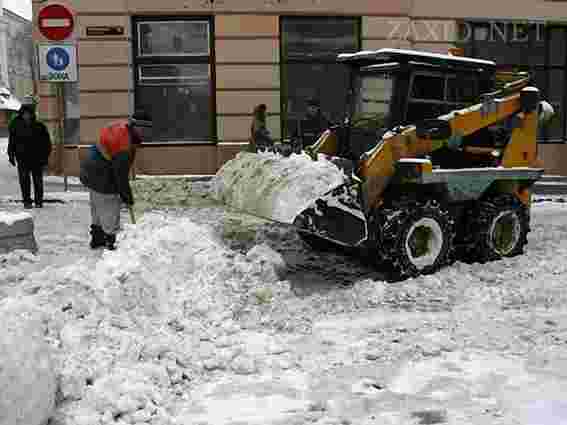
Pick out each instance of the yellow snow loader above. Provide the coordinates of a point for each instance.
(440, 154)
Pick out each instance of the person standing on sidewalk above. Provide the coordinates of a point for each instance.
(260, 137)
(29, 145)
(105, 172)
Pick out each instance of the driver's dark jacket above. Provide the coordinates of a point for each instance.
(310, 128)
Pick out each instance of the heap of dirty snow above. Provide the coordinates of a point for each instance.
(162, 191)
(270, 185)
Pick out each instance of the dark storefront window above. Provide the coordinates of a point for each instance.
(309, 65)
(537, 48)
(173, 74)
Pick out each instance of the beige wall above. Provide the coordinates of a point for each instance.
(355, 7)
(554, 157)
(491, 9)
(247, 73)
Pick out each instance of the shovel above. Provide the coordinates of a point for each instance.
(132, 215)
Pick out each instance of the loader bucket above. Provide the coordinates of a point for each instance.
(274, 187)
(336, 218)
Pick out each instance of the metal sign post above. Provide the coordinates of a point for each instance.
(57, 63)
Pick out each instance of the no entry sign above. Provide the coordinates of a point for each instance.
(56, 22)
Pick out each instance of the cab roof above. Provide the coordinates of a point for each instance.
(370, 57)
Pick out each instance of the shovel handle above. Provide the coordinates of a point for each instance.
(132, 216)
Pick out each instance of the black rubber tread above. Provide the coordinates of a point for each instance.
(479, 221)
(394, 222)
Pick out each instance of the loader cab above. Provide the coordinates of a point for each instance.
(394, 87)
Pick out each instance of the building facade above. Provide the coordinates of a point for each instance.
(200, 66)
(18, 53)
(16, 61)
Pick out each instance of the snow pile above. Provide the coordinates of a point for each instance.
(27, 380)
(12, 267)
(270, 185)
(135, 329)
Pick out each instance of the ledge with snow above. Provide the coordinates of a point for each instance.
(16, 232)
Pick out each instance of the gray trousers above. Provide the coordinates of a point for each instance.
(105, 211)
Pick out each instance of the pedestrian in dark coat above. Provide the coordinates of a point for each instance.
(260, 137)
(105, 172)
(29, 145)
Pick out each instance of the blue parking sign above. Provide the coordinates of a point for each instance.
(57, 62)
(58, 58)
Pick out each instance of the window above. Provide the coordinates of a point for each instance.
(309, 65)
(536, 48)
(462, 90)
(428, 87)
(427, 97)
(374, 99)
(173, 74)
(176, 38)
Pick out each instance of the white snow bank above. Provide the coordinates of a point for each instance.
(27, 380)
(270, 185)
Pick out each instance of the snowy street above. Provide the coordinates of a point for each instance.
(205, 316)
(9, 176)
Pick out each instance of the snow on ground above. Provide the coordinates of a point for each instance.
(61, 230)
(202, 316)
(3, 147)
(256, 182)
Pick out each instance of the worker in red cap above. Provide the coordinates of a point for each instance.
(105, 172)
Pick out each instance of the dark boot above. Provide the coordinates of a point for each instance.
(110, 241)
(98, 238)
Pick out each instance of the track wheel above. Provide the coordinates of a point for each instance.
(499, 227)
(416, 238)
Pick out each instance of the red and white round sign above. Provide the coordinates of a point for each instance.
(56, 22)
